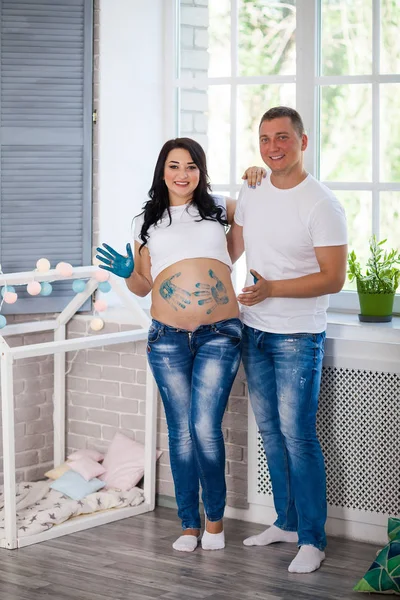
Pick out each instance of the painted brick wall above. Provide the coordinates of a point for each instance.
(194, 64)
(33, 389)
(106, 387)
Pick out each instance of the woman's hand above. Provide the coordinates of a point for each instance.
(116, 263)
(254, 175)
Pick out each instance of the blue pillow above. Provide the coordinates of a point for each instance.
(75, 486)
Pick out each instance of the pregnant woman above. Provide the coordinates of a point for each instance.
(194, 341)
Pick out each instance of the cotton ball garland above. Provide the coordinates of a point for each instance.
(10, 297)
(7, 288)
(105, 287)
(43, 265)
(96, 324)
(100, 305)
(34, 288)
(101, 275)
(47, 288)
(3, 321)
(64, 269)
(78, 285)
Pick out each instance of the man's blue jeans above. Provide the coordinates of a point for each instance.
(194, 372)
(284, 374)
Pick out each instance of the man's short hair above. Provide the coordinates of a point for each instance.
(284, 111)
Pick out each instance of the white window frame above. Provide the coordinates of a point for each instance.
(308, 87)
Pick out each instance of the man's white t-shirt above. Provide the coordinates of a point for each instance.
(281, 228)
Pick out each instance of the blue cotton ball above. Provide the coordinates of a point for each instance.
(78, 285)
(3, 321)
(105, 286)
(47, 288)
(7, 288)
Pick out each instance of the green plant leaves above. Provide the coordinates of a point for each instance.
(381, 274)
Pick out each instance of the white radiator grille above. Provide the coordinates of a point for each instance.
(359, 430)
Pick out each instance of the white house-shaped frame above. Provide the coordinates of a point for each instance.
(59, 346)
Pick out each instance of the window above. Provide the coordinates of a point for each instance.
(336, 62)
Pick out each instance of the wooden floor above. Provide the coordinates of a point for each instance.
(133, 560)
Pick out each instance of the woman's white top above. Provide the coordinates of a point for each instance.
(186, 237)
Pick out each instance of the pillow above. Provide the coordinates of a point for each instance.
(75, 486)
(124, 463)
(86, 453)
(383, 576)
(87, 467)
(57, 471)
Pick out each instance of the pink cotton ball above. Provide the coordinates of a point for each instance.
(34, 288)
(100, 305)
(10, 297)
(102, 275)
(64, 269)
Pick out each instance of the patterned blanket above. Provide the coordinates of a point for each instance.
(39, 507)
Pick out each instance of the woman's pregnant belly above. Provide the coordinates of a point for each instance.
(194, 292)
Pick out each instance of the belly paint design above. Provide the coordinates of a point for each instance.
(211, 294)
(176, 296)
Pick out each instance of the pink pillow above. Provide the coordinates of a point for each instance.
(86, 453)
(87, 467)
(124, 463)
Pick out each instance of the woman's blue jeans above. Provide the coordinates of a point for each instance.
(284, 374)
(194, 372)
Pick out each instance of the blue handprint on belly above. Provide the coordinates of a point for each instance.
(176, 296)
(211, 294)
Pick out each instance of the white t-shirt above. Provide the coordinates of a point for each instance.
(281, 229)
(186, 237)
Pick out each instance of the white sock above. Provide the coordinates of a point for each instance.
(186, 543)
(213, 541)
(270, 536)
(308, 559)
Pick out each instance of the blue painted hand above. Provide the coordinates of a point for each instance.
(176, 296)
(214, 294)
(116, 263)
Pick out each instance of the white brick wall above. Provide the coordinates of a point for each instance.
(194, 63)
(106, 387)
(33, 385)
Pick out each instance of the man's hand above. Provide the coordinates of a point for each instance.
(116, 263)
(254, 176)
(253, 294)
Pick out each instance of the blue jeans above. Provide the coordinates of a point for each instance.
(194, 372)
(284, 374)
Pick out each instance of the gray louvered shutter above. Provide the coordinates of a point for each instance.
(45, 140)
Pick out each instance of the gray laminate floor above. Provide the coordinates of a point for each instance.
(133, 560)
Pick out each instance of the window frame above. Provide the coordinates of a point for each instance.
(308, 93)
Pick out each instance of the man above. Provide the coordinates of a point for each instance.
(294, 232)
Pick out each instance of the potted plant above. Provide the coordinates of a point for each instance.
(377, 288)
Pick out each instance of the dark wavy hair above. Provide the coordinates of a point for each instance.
(158, 194)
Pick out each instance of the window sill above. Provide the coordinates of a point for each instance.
(346, 326)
